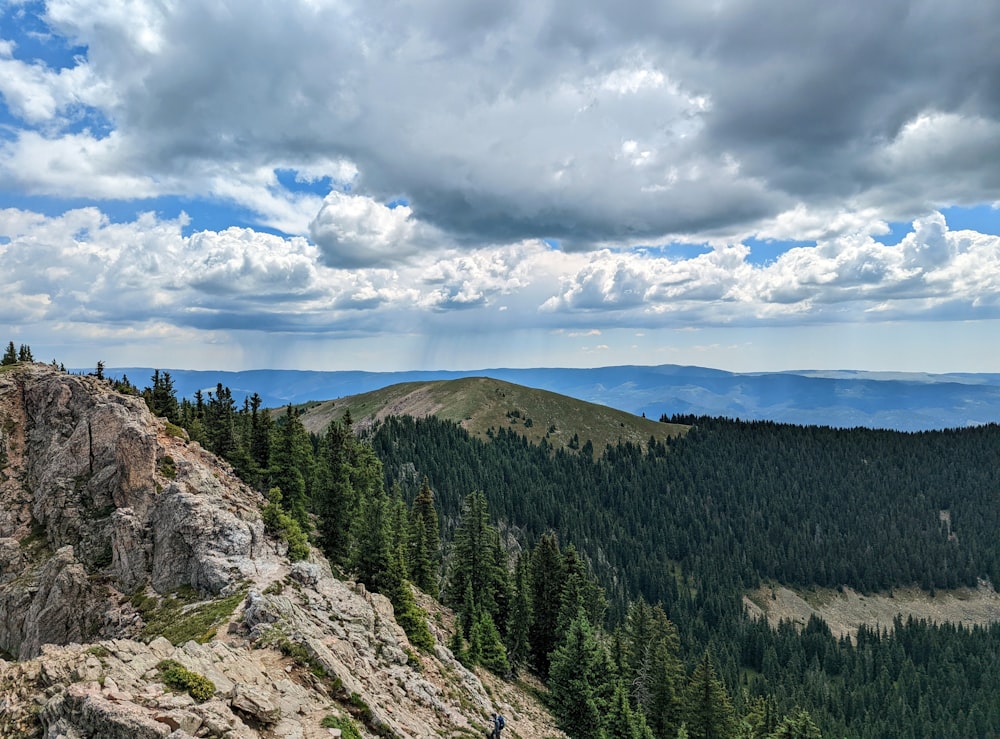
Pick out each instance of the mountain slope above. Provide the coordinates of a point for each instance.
(122, 545)
(480, 404)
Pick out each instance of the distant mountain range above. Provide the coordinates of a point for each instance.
(842, 398)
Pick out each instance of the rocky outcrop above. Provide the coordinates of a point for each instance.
(99, 501)
(111, 500)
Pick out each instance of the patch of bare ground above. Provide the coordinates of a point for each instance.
(845, 611)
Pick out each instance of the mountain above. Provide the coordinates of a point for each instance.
(482, 405)
(842, 399)
(143, 596)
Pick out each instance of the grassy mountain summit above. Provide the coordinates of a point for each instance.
(479, 404)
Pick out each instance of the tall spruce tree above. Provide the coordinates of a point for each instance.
(9, 356)
(291, 465)
(578, 670)
(425, 541)
(519, 622)
(335, 500)
(620, 721)
(708, 712)
(546, 583)
(652, 666)
(472, 565)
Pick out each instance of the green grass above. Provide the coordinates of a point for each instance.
(480, 404)
(180, 618)
(347, 728)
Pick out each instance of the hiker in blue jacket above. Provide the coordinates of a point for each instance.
(498, 724)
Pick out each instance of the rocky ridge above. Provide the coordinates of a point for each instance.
(112, 521)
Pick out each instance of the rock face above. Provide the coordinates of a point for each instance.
(99, 501)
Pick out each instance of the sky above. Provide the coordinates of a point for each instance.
(346, 184)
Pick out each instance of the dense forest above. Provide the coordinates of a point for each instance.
(618, 577)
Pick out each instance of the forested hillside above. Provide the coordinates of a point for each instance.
(692, 523)
(618, 578)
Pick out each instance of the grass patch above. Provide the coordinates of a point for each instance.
(179, 619)
(99, 650)
(178, 677)
(347, 728)
(176, 431)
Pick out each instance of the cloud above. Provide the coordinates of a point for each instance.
(604, 127)
(355, 231)
(80, 274)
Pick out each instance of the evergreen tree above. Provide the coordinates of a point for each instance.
(475, 576)
(577, 670)
(372, 557)
(160, 397)
(377, 561)
(291, 465)
(336, 501)
(652, 666)
(797, 725)
(708, 712)
(9, 356)
(519, 623)
(425, 541)
(620, 721)
(546, 584)
(24, 354)
(261, 428)
(279, 523)
(579, 592)
(488, 646)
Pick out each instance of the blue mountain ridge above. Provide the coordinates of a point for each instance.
(838, 398)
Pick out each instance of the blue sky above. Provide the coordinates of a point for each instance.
(330, 185)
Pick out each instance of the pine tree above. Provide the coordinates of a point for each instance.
(488, 646)
(708, 712)
(161, 397)
(517, 643)
(652, 666)
(291, 465)
(577, 670)
(261, 427)
(546, 585)
(335, 500)
(371, 559)
(425, 541)
(620, 721)
(24, 354)
(797, 725)
(472, 566)
(9, 356)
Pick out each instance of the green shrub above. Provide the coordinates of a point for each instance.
(279, 523)
(168, 467)
(347, 728)
(177, 676)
